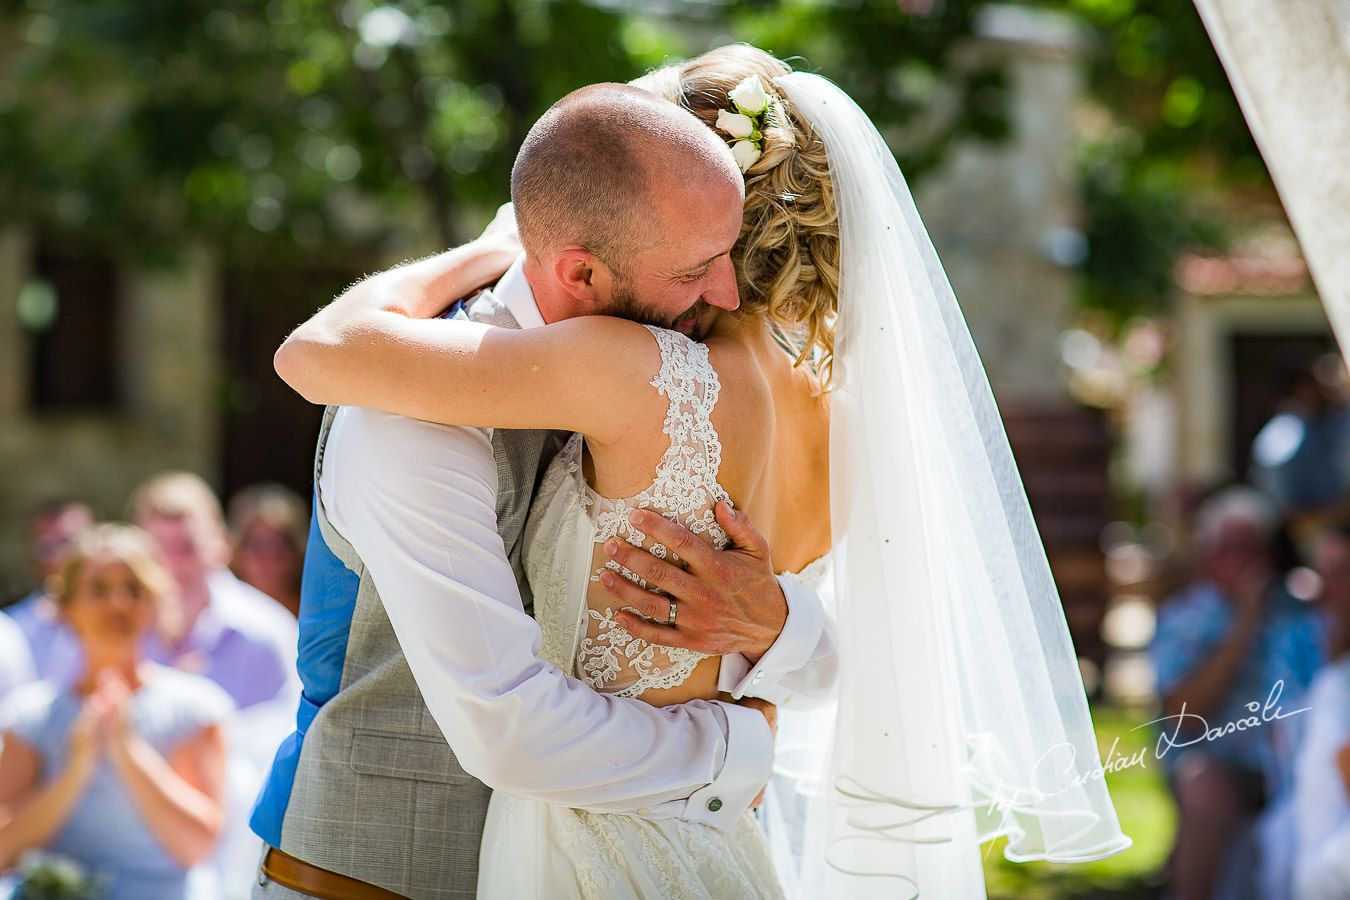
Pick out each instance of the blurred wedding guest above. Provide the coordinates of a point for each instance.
(123, 770)
(217, 625)
(230, 632)
(1231, 638)
(16, 663)
(55, 652)
(269, 525)
(1322, 775)
(1301, 457)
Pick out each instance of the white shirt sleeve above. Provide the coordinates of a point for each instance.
(16, 664)
(1321, 804)
(417, 501)
(800, 670)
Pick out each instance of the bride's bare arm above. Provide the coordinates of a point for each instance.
(569, 375)
(377, 346)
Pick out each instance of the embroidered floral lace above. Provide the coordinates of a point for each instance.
(685, 490)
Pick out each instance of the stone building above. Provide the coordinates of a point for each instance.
(107, 375)
(1002, 217)
(1242, 321)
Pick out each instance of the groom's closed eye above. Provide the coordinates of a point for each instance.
(700, 271)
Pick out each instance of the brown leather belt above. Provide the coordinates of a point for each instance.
(299, 875)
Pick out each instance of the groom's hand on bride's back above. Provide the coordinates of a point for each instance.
(727, 601)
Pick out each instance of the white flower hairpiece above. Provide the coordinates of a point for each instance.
(745, 122)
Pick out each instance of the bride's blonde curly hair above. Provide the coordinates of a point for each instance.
(787, 258)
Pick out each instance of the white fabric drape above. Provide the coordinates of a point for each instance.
(1289, 64)
(962, 714)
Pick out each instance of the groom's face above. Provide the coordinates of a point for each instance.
(682, 280)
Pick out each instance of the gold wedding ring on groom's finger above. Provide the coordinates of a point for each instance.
(670, 619)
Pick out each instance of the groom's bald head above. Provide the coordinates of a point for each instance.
(595, 166)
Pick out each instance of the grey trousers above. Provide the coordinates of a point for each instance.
(265, 888)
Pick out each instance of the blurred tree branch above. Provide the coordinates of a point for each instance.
(317, 125)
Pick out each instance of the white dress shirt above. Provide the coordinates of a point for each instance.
(16, 664)
(1321, 803)
(417, 501)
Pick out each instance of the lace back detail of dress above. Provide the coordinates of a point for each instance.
(685, 490)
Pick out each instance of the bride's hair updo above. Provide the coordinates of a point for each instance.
(787, 258)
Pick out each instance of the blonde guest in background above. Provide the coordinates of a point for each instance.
(230, 632)
(124, 770)
(216, 626)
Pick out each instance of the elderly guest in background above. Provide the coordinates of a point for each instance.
(123, 771)
(1225, 641)
(269, 525)
(1322, 775)
(56, 653)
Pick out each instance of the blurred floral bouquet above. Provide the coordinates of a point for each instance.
(46, 876)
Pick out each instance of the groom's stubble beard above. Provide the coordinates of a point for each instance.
(625, 303)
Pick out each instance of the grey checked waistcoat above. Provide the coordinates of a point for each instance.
(378, 795)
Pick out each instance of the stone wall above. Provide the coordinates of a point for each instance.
(167, 359)
(1002, 215)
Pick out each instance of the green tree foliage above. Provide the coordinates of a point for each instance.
(279, 120)
(268, 125)
(905, 69)
(1167, 152)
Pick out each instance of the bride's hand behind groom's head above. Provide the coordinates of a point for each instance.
(502, 231)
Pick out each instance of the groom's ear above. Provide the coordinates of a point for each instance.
(582, 276)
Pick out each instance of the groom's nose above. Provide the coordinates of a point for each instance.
(721, 290)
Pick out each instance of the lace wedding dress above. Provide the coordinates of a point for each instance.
(538, 849)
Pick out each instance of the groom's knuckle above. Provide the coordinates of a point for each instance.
(720, 572)
(684, 587)
(695, 589)
(681, 541)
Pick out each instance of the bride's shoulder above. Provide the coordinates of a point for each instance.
(726, 360)
(739, 370)
(745, 412)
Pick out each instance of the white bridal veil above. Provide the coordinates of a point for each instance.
(961, 714)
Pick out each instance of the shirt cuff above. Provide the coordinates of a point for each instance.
(749, 762)
(791, 651)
